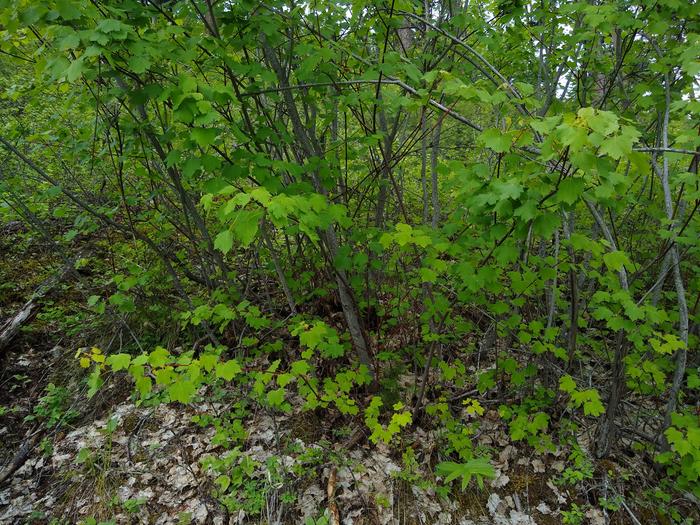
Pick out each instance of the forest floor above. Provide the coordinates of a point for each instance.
(113, 460)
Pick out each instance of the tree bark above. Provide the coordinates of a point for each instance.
(681, 353)
(434, 174)
(606, 434)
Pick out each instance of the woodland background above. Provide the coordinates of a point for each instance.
(364, 262)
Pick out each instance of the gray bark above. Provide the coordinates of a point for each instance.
(606, 434)
(434, 174)
(681, 354)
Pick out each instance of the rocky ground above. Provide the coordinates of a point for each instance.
(148, 469)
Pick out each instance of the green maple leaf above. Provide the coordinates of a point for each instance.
(75, 69)
(603, 122)
(527, 211)
(567, 384)
(620, 145)
(507, 189)
(204, 136)
(275, 397)
(119, 361)
(496, 140)
(246, 225)
(616, 260)
(546, 125)
(224, 241)
(570, 190)
(158, 357)
(228, 370)
(182, 390)
(576, 137)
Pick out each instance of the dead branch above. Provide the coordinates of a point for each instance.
(22, 455)
(330, 491)
(11, 327)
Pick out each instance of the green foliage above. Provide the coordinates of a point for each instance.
(511, 217)
(53, 407)
(92, 521)
(528, 422)
(318, 336)
(476, 468)
(580, 467)
(400, 418)
(133, 505)
(323, 519)
(683, 460)
(589, 399)
(573, 516)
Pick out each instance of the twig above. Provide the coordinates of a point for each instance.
(354, 439)
(135, 433)
(335, 84)
(22, 455)
(632, 516)
(667, 150)
(462, 395)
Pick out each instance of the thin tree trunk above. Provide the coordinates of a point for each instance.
(280, 273)
(552, 288)
(681, 353)
(434, 174)
(424, 165)
(606, 434)
(386, 148)
(568, 226)
(310, 149)
(663, 273)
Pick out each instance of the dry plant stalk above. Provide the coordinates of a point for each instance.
(332, 505)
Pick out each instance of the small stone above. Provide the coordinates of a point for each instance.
(537, 466)
(501, 481)
(494, 503)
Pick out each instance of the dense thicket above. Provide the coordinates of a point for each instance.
(399, 213)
